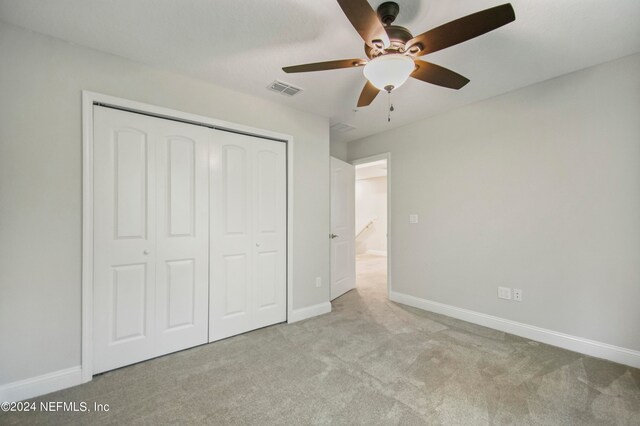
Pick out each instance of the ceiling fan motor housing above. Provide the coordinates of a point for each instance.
(398, 36)
(387, 12)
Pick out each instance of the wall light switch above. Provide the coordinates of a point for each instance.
(413, 218)
(318, 282)
(504, 293)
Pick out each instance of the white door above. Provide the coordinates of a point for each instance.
(150, 237)
(248, 234)
(343, 254)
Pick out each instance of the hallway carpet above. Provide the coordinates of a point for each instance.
(368, 362)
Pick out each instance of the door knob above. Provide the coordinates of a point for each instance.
(332, 236)
(257, 244)
(146, 252)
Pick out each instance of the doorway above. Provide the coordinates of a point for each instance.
(371, 224)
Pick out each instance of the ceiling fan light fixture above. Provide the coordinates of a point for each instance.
(388, 72)
(390, 69)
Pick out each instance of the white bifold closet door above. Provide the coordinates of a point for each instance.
(189, 236)
(248, 234)
(151, 237)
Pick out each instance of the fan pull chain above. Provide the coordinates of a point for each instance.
(391, 109)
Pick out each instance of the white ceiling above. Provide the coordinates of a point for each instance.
(242, 45)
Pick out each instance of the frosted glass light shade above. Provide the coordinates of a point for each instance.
(389, 72)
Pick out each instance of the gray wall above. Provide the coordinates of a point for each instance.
(40, 185)
(537, 189)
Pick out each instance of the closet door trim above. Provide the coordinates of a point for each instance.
(89, 99)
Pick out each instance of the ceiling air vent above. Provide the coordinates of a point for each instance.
(284, 88)
(342, 127)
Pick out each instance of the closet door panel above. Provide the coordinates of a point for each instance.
(183, 236)
(180, 295)
(181, 185)
(234, 189)
(266, 280)
(231, 235)
(130, 154)
(129, 304)
(234, 275)
(124, 239)
(270, 220)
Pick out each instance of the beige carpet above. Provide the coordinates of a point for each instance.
(369, 362)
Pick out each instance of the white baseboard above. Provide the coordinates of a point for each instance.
(573, 343)
(309, 312)
(377, 252)
(40, 385)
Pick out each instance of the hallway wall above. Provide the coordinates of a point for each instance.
(371, 204)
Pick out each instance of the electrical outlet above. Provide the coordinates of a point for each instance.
(517, 294)
(318, 282)
(413, 218)
(504, 293)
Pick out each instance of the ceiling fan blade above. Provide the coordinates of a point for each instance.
(365, 20)
(435, 74)
(463, 29)
(323, 66)
(368, 94)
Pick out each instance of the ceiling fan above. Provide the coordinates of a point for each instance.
(393, 51)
